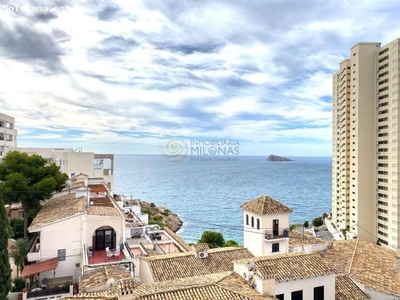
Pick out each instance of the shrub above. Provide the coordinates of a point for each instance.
(152, 204)
(18, 285)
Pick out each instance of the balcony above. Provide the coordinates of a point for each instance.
(34, 251)
(281, 233)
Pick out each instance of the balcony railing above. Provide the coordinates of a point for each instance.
(34, 251)
(59, 291)
(276, 234)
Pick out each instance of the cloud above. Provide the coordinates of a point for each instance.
(135, 72)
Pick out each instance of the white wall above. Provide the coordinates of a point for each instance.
(66, 235)
(145, 272)
(254, 239)
(307, 285)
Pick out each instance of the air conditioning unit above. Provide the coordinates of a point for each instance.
(203, 254)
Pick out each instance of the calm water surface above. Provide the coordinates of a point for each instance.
(207, 194)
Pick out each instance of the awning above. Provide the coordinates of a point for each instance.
(40, 267)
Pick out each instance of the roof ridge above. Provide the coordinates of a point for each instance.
(352, 257)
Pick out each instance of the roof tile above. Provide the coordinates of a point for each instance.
(265, 205)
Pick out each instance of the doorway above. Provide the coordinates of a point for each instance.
(105, 237)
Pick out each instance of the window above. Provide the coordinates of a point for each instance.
(61, 253)
(297, 295)
(258, 224)
(247, 219)
(275, 247)
(252, 221)
(319, 293)
(280, 297)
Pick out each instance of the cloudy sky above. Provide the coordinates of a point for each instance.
(128, 76)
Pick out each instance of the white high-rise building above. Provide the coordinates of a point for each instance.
(8, 134)
(366, 144)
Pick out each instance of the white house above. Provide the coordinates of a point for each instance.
(289, 276)
(266, 226)
(67, 227)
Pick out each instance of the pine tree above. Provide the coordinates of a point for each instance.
(28, 180)
(5, 269)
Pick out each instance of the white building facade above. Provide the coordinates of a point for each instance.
(266, 226)
(366, 144)
(8, 134)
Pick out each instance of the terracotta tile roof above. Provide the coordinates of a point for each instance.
(99, 276)
(182, 265)
(201, 247)
(346, 289)
(297, 239)
(265, 205)
(58, 209)
(40, 267)
(369, 264)
(178, 239)
(292, 266)
(97, 188)
(103, 211)
(93, 296)
(224, 285)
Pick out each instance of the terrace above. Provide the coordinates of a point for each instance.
(100, 257)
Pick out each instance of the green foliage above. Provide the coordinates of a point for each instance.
(29, 179)
(293, 226)
(152, 204)
(5, 269)
(157, 218)
(306, 225)
(214, 239)
(147, 211)
(230, 243)
(19, 254)
(325, 215)
(165, 213)
(18, 285)
(17, 227)
(318, 222)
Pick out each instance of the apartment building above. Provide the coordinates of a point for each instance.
(75, 161)
(366, 144)
(8, 134)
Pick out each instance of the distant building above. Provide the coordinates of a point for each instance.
(366, 144)
(73, 162)
(8, 134)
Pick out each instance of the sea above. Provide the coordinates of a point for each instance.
(207, 193)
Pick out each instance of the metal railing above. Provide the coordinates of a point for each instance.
(274, 234)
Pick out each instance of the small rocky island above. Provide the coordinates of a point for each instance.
(278, 158)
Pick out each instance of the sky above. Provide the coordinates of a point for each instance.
(130, 76)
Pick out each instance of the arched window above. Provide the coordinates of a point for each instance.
(258, 224)
(247, 219)
(252, 221)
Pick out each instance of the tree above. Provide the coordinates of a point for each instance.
(5, 269)
(317, 222)
(19, 254)
(306, 225)
(17, 227)
(214, 239)
(29, 179)
(230, 243)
